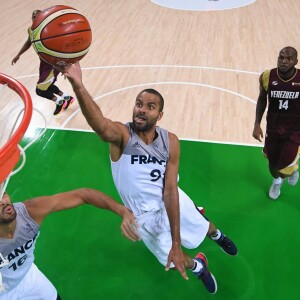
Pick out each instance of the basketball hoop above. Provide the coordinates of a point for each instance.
(10, 152)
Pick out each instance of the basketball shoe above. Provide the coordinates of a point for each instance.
(274, 191)
(293, 179)
(204, 275)
(227, 245)
(69, 101)
(60, 107)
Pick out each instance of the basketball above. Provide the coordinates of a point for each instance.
(61, 35)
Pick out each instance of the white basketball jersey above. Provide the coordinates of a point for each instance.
(18, 251)
(139, 173)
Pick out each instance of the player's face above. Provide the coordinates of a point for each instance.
(146, 112)
(7, 211)
(286, 61)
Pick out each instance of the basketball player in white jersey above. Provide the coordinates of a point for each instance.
(20, 279)
(144, 161)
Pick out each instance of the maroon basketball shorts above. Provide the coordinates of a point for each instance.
(281, 152)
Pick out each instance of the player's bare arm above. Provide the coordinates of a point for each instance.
(260, 109)
(171, 199)
(24, 48)
(109, 131)
(38, 208)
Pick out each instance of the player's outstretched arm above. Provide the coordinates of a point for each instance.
(108, 130)
(24, 48)
(38, 208)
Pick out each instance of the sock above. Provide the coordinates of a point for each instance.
(64, 95)
(278, 180)
(197, 267)
(59, 101)
(217, 235)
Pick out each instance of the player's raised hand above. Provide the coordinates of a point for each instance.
(72, 72)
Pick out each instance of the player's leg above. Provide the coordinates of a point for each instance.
(154, 230)
(290, 162)
(69, 99)
(283, 163)
(226, 244)
(199, 267)
(194, 227)
(272, 151)
(49, 94)
(45, 86)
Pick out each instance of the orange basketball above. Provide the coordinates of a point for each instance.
(61, 35)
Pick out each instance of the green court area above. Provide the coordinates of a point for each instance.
(84, 254)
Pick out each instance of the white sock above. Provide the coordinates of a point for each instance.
(216, 236)
(64, 95)
(59, 101)
(197, 267)
(278, 180)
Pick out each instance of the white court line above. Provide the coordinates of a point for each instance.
(156, 66)
(202, 5)
(161, 83)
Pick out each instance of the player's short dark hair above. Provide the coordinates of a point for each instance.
(155, 92)
(294, 51)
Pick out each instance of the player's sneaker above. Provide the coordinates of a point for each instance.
(205, 276)
(293, 179)
(227, 245)
(69, 101)
(60, 107)
(274, 191)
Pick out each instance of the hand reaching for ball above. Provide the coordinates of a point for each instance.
(73, 73)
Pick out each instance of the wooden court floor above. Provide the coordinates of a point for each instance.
(205, 63)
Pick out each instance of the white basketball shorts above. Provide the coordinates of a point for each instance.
(34, 286)
(154, 228)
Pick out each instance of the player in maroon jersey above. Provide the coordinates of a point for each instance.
(45, 86)
(280, 88)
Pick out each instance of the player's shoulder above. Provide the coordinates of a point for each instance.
(265, 73)
(172, 137)
(123, 128)
(264, 79)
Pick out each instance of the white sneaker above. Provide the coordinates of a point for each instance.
(293, 179)
(274, 191)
